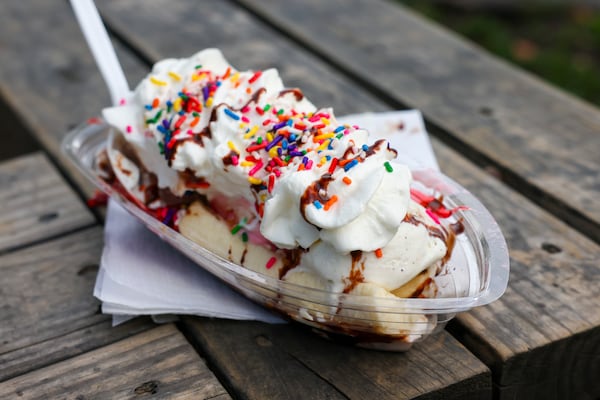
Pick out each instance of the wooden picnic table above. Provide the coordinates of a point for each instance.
(529, 151)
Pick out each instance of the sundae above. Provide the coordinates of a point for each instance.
(255, 173)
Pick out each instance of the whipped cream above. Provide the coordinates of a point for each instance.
(269, 156)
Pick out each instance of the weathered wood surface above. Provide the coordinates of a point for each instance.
(543, 141)
(49, 77)
(14, 133)
(262, 361)
(245, 43)
(36, 202)
(547, 320)
(542, 338)
(159, 363)
(48, 311)
(34, 356)
(530, 326)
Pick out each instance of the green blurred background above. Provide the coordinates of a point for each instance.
(558, 41)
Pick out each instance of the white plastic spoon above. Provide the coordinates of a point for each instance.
(104, 53)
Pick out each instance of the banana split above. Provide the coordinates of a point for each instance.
(254, 172)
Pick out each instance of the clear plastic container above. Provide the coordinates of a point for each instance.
(476, 274)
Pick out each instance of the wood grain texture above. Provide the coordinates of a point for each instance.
(36, 202)
(260, 361)
(47, 352)
(49, 77)
(47, 310)
(549, 313)
(543, 140)
(542, 338)
(245, 43)
(543, 311)
(159, 363)
(13, 132)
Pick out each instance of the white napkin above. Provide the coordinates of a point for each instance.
(141, 275)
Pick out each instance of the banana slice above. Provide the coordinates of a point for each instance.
(212, 233)
(385, 323)
(125, 170)
(417, 284)
(310, 310)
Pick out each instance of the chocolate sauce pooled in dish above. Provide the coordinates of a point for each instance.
(257, 174)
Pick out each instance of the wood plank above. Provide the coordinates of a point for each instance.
(543, 141)
(47, 352)
(519, 231)
(158, 363)
(530, 329)
(36, 202)
(49, 77)
(260, 361)
(14, 132)
(48, 311)
(243, 44)
(542, 338)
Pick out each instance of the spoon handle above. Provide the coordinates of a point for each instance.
(104, 53)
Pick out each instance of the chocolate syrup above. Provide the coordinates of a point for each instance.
(228, 159)
(192, 181)
(254, 99)
(372, 149)
(313, 193)
(297, 93)
(356, 271)
(243, 258)
(291, 259)
(447, 236)
(348, 153)
(419, 290)
(121, 168)
(104, 165)
(196, 138)
(148, 184)
(455, 229)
